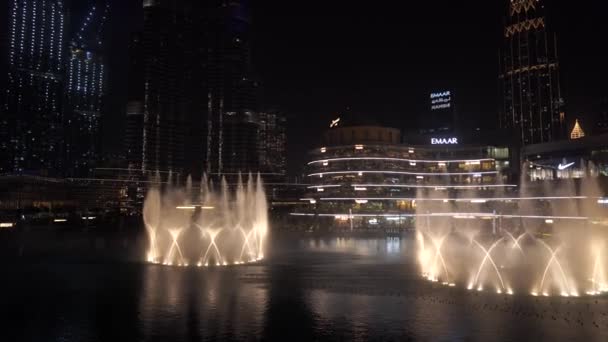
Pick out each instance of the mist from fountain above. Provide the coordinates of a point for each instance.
(202, 227)
(547, 246)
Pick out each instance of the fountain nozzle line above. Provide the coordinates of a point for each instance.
(194, 206)
(470, 199)
(456, 215)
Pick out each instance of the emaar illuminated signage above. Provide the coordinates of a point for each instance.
(441, 100)
(444, 141)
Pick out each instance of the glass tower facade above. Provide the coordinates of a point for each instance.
(529, 75)
(85, 86)
(32, 123)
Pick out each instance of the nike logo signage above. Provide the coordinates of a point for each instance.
(564, 166)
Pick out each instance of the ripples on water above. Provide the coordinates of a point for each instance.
(307, 289)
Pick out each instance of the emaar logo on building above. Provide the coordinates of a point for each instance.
(444, 141)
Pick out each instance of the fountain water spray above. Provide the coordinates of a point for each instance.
(202, 227)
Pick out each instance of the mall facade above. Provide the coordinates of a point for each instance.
(365, 177)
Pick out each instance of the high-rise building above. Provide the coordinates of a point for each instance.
(231, 122)
(85, 86)
(272, 142)
(167, 44)
(601, 126)
(32, 122)
(134, 126)
(529, 75)
(198, 96)
(441, 113)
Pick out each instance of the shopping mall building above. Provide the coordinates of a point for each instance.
(366, 177)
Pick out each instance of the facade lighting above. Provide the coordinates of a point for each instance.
(360, 201)
(400, 160)
(6, 225)
(360, 189)
(358, 147)
(475, 174)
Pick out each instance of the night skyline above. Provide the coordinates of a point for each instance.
(316, 59)
(189, 170)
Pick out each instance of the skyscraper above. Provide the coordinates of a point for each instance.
(198, 93)
(134, 127)
(440, 116)
(272, 142)
(167, 44)
(529, 75)
(231, 122)
(32, 122)
(85, 86)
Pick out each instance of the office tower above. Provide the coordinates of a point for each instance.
(32, 122)
(85, 87)
(134, 123)
(231, 125)
(441, 115)
(529, 75)
(272, 142)
(199, 107)
(601, 126)
(167, 42)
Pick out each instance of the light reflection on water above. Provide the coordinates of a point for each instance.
(308, 289)
(357, 246)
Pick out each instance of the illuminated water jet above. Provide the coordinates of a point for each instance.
(197, 226)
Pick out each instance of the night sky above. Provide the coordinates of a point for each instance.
(315, 59)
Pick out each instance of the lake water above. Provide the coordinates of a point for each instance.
(307, 289)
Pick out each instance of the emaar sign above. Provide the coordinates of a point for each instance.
(444, 141)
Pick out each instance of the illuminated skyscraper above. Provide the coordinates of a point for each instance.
(135, 105)
(167, 46)
(32, 122)
(85, 85)
(232, 144)
(199, 108)
(529, 75)
(272, 142)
